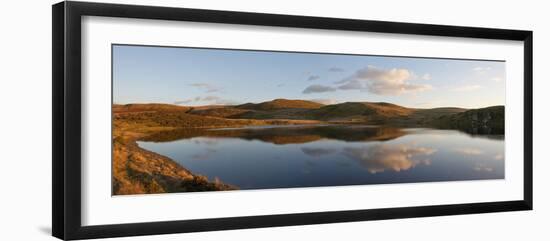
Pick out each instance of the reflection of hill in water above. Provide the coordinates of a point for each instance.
(287, 134)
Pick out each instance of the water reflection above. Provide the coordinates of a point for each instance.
(330, 155)
(381, 157)
(317, 152)
(287, 134)
(469, 151)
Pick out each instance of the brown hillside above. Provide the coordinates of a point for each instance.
(148, 107)
(135, 120)
(223, 112)
(278, 104)
(360, 110)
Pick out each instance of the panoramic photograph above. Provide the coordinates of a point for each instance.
(202, 119)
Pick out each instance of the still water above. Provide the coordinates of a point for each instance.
(332, 155)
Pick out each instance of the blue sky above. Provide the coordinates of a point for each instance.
(194, 77)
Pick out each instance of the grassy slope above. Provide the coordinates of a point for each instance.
(281, 104)
(138, 171)
(222, 112)
(147, 107)
(360, 111)
(276, 109)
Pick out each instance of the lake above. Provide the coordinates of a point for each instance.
(331, 155)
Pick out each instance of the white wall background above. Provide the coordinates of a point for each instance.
(25, 137)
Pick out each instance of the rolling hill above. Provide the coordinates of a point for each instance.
(147, 107)
(363, 112)
(275, 109)
(485, 120)
(360, 110)
(223, 112)
(278, 104)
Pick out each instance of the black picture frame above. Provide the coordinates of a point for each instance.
(66, 76)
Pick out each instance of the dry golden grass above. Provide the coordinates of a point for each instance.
(147, 107)
(138, 171)
(281, 104)
(223, 112)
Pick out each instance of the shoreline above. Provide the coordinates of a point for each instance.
(136, 170)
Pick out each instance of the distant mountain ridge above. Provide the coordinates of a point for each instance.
(148, 107)
(350, 109)
(278, 104)
(489, 120)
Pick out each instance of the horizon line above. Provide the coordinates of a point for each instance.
(377, 102)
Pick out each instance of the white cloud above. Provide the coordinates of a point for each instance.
(467, 88)
(318, 89)
(313, 77)
(208, 88)
(206, 100)
(382, 81)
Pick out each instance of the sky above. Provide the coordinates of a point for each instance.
(198, 76)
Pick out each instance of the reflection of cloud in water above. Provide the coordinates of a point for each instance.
(482, 168)
(200, 156)
(317, 152)
(205, 141)
(381, 157)
(469, 151)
